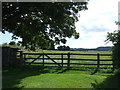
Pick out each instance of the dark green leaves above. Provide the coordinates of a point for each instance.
(115, 39)
(41, 24)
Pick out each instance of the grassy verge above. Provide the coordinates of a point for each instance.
(39, 77)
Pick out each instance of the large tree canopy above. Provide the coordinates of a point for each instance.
(43, 24)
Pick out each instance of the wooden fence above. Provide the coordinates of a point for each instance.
(67, 60)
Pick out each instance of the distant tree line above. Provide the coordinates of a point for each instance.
(63, 47)
(19, 45)
(13, 43)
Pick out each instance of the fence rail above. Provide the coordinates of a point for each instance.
(65, 54)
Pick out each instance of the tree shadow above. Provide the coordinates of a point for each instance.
(11, 77)
(112, 81)
(64, 70)
(61, 70)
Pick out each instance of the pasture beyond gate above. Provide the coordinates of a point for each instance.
(68, 60)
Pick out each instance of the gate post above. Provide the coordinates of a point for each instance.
(68, 64)
(62, 59)
(98, 61)
(43, 59)
(24, 59)
(21, 57)
(98, 64)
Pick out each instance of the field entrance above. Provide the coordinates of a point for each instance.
(40, 58)
(69, 60)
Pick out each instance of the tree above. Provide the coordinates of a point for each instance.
(4, 44)
(12, 43)
(115, 39)
(18, 43)
(41, 24)
(63, 47)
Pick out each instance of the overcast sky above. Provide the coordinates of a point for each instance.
(93, 25)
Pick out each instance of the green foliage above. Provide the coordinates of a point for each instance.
(4, 43)
(41, 24)
(115, 39)
(116, 55)
(12, 43)
(11, 46)
(19, 43)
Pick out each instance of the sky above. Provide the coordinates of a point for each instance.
(93, 25)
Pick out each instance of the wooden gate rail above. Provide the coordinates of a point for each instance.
(74, 59)
(20, 57)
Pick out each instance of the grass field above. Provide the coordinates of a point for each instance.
(36, 76)
(39, 77)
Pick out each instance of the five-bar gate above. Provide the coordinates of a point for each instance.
(69, 60)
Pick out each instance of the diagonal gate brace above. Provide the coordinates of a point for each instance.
(35, 59)
(53, 61)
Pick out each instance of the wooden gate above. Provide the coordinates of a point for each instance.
(69, 60)
(41, 57)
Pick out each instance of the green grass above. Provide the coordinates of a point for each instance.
(36, 76)
(112, 81)
(39, 77)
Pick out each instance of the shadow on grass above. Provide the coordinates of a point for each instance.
(11, 77)
(112, 81)
(61, 70)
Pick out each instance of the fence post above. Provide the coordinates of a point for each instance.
(43, 59)
(98, 61)
(62, 59)
(98, 64)
(21, 57)
(113, 66)
(24, 59)
(68, 66)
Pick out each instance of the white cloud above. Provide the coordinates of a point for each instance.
(94, 24)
